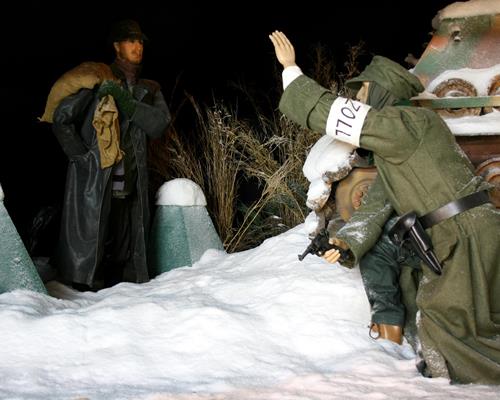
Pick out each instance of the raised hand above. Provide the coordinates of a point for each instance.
(285, 53)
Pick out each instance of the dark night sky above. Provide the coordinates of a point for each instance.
(202, 45)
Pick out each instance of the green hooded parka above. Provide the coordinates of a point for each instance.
(421, 168)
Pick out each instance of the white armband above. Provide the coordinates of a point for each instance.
(289, 74)
(346, 119)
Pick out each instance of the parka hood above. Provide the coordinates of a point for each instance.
(393, 77)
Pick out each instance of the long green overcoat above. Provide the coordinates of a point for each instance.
(422, 168)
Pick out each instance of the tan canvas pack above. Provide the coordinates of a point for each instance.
(85, 75)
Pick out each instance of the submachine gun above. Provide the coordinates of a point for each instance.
(320, 245)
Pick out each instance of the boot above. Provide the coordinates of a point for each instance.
(393, 333)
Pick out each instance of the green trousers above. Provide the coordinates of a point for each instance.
(385, 269)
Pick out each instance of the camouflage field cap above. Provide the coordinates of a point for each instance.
(393, 77)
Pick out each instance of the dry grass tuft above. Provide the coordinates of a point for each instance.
(225, 154)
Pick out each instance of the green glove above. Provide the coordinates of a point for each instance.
(123, 97)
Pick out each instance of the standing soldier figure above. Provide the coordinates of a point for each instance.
(103, 129)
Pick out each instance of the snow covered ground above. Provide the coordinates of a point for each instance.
(252, 325)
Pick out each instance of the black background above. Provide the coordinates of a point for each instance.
(197, 47)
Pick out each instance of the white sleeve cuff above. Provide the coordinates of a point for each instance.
(290, 74)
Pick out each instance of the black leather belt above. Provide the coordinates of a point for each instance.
(453, 208)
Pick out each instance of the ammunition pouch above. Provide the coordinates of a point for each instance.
(408, 231)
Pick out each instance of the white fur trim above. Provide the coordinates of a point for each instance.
(346, 119)
(314, 222)
(327, 156)
(318, 194)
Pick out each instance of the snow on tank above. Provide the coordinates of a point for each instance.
(460, 70)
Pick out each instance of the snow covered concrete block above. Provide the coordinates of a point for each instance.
(17, 270)
(182, 229)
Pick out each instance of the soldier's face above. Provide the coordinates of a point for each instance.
(130, 50)
(362, 94)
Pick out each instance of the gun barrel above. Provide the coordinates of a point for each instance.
(305, 253)
(309, 249)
